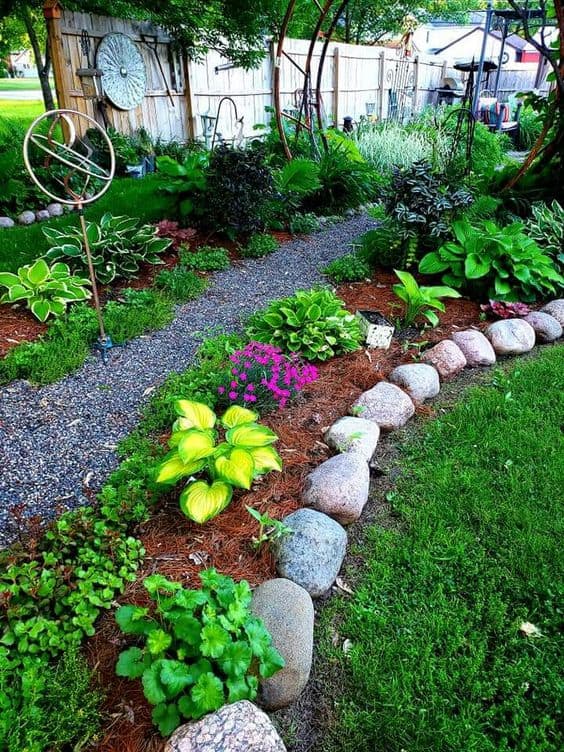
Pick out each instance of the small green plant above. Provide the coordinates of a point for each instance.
(118, 246)
(180, 284)
(313, 323)
(419, 301)
(46, 290)
(206, 259)
(186, 180)
(500, 263)
(258, 246)
(384, 246)
(270, 530)
(137, 311)
(546, 228)
(348, 268)
(304, 224)
(245, 453)
(201, 648)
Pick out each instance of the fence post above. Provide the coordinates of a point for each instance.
(336, 92)
(381, 85)
(190, 119)
(415, 82)
(53, 12)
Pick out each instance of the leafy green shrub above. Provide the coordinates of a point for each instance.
(530, 128)
(384, 246)
(420, 300)
(244, 455)
(46, 290)
(483, 207)
(180, 284)
(202, 648)
(346, 180)
(313, 323)
(500, 263)
(546, 228)
(16, 189)
(44, 707)
(187, 180)
(259, 245)
(118, 247)
(296, 180)
(348, 268)
(423, 205)
(138, 311)
(206, 259)
(304, 224)
(239, 187)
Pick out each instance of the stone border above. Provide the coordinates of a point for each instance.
(335, 494)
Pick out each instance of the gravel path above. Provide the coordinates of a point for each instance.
(57, 438)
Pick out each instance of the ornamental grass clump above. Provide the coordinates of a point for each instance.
(264, 377)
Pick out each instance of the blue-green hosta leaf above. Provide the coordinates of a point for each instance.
(208, 694)
(166, 718)
(131, 663)
(195, 444)
(250, 435)
(175, 676)
(158, 641)
(152, 685)
(265, 459)
(197, 414)
(200, 501)
(236, 415)
(214, 640)
(270, 662)
(236, 468)
(173, 468)
(236, 659)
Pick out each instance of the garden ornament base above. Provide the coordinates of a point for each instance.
(376, 329)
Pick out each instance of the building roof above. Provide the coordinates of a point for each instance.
(513, 40)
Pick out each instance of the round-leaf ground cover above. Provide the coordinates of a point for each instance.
(439, 656)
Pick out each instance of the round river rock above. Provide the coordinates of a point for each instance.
(475, 347)
(240, 727)
(287, 612)
(419, 379)
(511, 336)
(356, 435)
(555, 308)
(385, 404)
(312, 555)
(446, 357)
(339, 487)
(547, 328)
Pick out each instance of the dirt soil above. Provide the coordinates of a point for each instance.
(180, 549)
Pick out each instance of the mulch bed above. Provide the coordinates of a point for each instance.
(180, 549)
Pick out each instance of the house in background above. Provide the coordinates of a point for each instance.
(22, 64)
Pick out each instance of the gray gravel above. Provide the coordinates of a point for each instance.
(58, 441)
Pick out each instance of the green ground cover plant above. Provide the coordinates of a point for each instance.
(202, 648)
(259, 245)
(180, 284)
(348, 268)
(441, 655)
(206, 259)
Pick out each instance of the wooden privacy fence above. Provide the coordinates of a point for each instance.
(182, 96)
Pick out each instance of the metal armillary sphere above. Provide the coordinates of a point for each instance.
(77, 178)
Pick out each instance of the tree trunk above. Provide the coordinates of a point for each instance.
(43, 67)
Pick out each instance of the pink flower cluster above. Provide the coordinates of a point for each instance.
(505, 310)
(261, 373)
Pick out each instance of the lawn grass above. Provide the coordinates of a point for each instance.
(22, 84)
(437, 661)
(21, 111)
(137, 198)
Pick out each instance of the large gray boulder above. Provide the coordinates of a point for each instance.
(555, 308)
(313, 554)
(511, 336)
(287, 612)
(339, 487)
(475, 347)
(446, 357)
(547, 328)
(356, 435)
(385, 404)
(419, 379)
(240, 727)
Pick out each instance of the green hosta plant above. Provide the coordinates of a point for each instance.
(200, 649)
(547, 229)
(46, 290)
(245, 452)
(313, 323)
(419, 301)
(186, 179)
(118, 246)
(500, 263)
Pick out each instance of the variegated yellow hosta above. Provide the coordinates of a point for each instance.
(246, 453)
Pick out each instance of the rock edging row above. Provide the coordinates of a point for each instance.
(335, 494)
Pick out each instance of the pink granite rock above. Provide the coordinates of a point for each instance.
(446, 357)
(475, 347)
